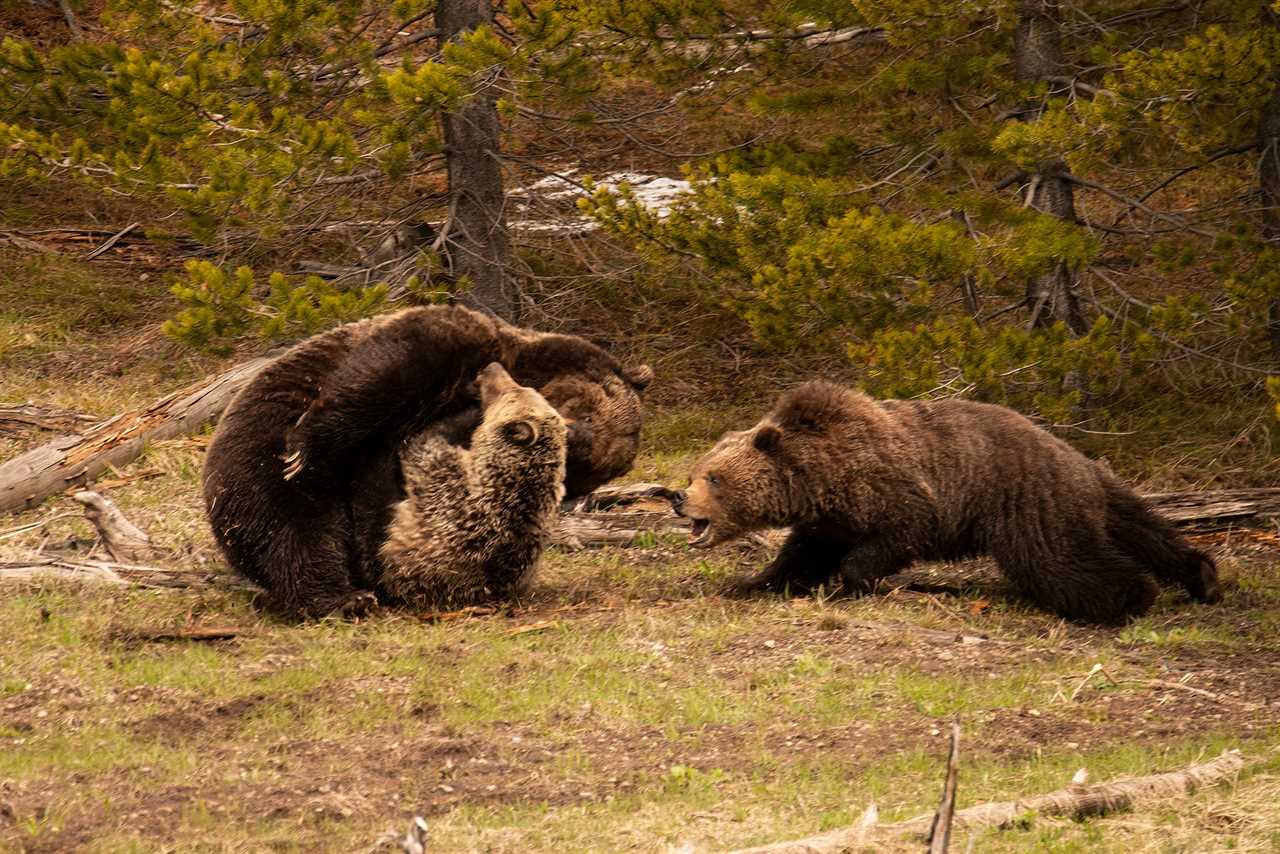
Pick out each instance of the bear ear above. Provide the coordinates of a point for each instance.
(493, 381)
(519, 432)
(768, 439)
(639, 376)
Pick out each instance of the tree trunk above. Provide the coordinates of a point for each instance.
(1269, 181)
(1037, 42)
(1037, 51)
(477, 230)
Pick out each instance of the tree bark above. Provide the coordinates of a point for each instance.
(1038, 56)
(71, 461)
(477, 230)
(1269, 181)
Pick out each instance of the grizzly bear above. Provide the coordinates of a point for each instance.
(473, 523)
(869, 487)
(304, 464)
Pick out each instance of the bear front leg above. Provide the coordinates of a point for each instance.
(807, 560)
(869, 560)
(385, 387)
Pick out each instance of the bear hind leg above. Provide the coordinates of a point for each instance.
(1152, 541)
(1104, 586)
(309, 568)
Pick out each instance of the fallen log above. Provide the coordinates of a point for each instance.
(579, 530)
(1218, 509)
(1212, 510)
(23, 416)
(76, 460)
(1074, 802)
(621, 496)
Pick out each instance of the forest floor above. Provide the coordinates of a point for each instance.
(625, 706)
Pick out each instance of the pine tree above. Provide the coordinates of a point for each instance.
(272, 118)
(1024, 179)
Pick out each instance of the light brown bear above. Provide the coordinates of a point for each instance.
(473, 523)
(869, 487)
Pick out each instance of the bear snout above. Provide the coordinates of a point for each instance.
(677, 501)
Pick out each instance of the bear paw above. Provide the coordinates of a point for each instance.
(359, 604)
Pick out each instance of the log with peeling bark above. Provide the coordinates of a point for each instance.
(1074, 802)
(1212, 510)
(73, 461)
(15, 418)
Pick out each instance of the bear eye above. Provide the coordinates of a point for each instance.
(712, 480)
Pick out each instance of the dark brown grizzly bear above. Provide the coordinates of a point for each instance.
(473, 522)
(304, 464)
(869, 487)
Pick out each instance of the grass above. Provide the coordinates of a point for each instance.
(664, 715)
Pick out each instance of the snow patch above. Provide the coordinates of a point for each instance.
(562, 190)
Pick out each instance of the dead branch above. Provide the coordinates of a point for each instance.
(412, 842)
(1075, 802)
(73, 25)
(940, 830)
(123, 540)
(76, 460)
(34, 567)
(195, 633)
(22, 416)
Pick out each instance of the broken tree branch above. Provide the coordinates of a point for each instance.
(45, 566)
(123, 540)
(191, 633)
(940, 830)
(1075, 802)
(22, 416)
(70, 461)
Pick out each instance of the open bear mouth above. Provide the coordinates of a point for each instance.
(700, 533)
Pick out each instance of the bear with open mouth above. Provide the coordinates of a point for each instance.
(869, 487)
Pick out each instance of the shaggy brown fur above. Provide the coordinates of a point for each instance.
(868, 487)
(293, 469)
(474, 522)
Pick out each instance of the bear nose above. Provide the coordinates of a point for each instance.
(677, 502)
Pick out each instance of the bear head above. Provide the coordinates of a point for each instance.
(598, 397)
(772, 475)
(520, 429)
(604, 418)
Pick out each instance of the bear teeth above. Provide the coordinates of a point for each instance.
(700, 532)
